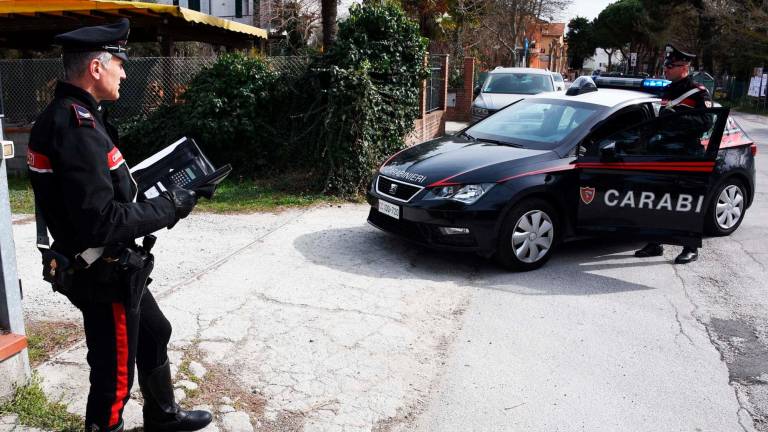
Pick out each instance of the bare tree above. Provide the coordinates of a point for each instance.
(298, 21)
(502, 25)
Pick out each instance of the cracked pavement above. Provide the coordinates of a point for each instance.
(339, 327)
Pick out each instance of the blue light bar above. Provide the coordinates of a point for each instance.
(655, 83)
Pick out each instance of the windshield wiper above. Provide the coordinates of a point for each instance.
(504, 143)
(492, 141)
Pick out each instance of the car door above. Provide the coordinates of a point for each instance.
(650, 180)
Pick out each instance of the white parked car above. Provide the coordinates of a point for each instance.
(505, 86)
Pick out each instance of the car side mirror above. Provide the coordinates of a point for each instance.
(608, 150)
(476, 91)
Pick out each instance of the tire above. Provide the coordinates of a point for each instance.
(727, 208)
(529, 235)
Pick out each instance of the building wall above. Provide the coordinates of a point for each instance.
(550, 51)
(220, 8)
(600, 61)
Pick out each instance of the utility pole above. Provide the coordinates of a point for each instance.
(14, 361)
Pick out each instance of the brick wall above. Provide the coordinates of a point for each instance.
(430, 125)
(462, 110)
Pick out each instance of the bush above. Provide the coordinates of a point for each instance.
(234, 110)
(373, 74)
(338, 121)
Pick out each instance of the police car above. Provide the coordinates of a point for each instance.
(555, 166)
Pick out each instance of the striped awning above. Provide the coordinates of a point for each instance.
(33, 23)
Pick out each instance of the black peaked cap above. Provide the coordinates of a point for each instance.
(673, 54)
(112, 38)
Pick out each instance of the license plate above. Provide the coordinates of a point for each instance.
(388, 209)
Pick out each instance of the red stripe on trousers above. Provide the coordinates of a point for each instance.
(121, 349)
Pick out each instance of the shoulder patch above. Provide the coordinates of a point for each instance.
(83, 116)
(114, 159)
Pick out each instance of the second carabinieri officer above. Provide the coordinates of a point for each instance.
(682, 94)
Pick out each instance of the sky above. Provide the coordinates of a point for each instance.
(585, 8)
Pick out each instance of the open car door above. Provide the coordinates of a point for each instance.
(650, 181)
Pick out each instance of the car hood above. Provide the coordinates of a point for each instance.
(460, 160)
(497, 101)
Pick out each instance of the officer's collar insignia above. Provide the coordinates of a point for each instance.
(587, 194)
(83, 116)
(82, 113)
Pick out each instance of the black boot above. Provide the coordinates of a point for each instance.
(650, 250)
(161, 412)
(688, 254)
(94, 428)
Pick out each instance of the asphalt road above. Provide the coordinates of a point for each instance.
(336, 326)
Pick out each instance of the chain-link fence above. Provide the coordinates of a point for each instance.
(27, 84)
(435, 83)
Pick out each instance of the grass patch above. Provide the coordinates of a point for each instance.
(45, 339)
(232, 196)
(20, 193)
(33, 408)
(261, 195)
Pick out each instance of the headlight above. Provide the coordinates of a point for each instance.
(467, 194)
(479, 111)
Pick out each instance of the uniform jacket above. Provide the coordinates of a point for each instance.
(696, 124)
(82, 184)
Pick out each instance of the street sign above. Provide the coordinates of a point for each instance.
(633, 59)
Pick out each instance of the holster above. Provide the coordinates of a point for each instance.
(121, 277)
(135, 266)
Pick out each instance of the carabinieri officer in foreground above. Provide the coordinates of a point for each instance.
(86, 196)
(680, 95)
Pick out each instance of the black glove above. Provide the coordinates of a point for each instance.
(184, 200)
(206, 191)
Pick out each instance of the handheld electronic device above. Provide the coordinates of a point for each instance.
(181, 163)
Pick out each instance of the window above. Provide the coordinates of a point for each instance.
(681, 134)
(534, 123)
(620, 120)
(517, 83)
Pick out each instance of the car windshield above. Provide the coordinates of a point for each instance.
(540, 124)
(517, 83)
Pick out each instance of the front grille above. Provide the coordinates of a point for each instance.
(402, 191)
